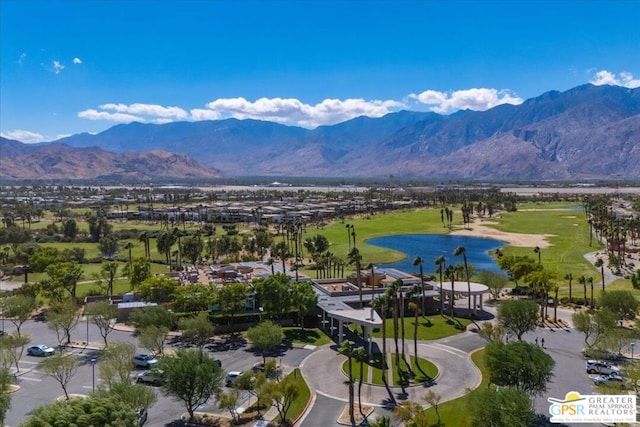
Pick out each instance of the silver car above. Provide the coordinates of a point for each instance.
(600, 367)
(40, 350)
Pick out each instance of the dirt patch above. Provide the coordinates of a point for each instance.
(480, 228)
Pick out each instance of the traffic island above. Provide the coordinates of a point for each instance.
(358, 414)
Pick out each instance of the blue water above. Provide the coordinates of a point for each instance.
(431, 246)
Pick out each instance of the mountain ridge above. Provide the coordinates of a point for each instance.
(587, 132)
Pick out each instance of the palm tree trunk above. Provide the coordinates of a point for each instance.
(402, 318)
(384, 342)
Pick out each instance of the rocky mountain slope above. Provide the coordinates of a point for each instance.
(60, 161)
(586, 132)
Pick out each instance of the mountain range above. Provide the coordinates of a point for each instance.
(588, 132)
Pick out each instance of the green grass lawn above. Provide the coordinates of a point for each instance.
(356, 369)
(380, 224)
(569, 239)
(301, 400)
(454, 413)
(429, 327)
(423, 370)
(312, 336)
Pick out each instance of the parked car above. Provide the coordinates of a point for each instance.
(142, 360)
(141, 415)
(231, 377)
(40, 350)
(152, 377)
(612, 379)
(600, 367)
(591, 353)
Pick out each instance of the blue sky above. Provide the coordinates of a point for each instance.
(84, 66)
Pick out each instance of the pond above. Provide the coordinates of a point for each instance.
(431, 246)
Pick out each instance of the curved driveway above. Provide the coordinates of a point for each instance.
(323, 371)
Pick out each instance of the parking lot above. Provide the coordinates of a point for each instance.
(36, 388)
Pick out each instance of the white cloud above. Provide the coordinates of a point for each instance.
(92, 114)
(22, 57)
(478, 99)
(23, 136)
(57, 67)
(144, 113)
(624, 79)
(293, 111)
(151, 110)
(77, 61)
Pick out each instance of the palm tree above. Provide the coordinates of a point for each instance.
(583, 281)
(381, 305)
(144, 239)
(441, 262)
(355, 258)
(590, 282)
(361, 356)
(392, 294)
(450, 272)
(460, 250)
(569, 277)
(270, 263)
(164, 243)
(280, 249)
(600, 263)
(556, 288)
(418, 261)
(129, 246)
(346, 348)
(179, 234)
(416, 310)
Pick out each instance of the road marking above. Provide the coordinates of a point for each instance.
(450, 350)
(31, 379)
(28, 362)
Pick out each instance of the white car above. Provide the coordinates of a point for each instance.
(144, 360)
(231, 377)
(40, 350)
(600, 367)
(153, 377)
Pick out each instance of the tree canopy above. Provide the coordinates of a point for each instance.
(519, 364)
(503, 407)
(191, 376)
(518, 316)
(265, 336)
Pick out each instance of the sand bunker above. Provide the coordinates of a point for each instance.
(480, 228)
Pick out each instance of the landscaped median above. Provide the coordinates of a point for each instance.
(422, 370)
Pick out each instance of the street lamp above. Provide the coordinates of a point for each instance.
(93, 369)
